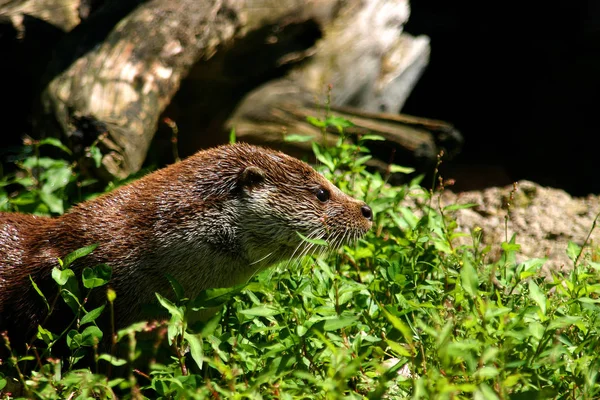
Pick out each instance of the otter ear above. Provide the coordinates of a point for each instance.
(251, 176)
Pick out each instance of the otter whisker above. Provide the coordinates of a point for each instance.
(262, 259)
(314, 235)
(308, 248)
(313, 247)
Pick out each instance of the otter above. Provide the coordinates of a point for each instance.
(211, 220)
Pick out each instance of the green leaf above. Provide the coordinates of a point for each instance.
(444, 334)
(362, 160)
(573, 251)
(171, 308)
(397, 169)
(56, 178)
(301, 330)
(211, 325)
(316, 122)
(489, 354)
(195, 343)
(71, 298)
(3, 383)
(45, 335)
(262, 311)
(97, 276)
(334, 324)
(117, 381)
(468, 277)
(215, 297)
(96, 155)
(56, 143)
(536, 294)
(74, 339)
(24, 199)
(161, 387)
(91, 316)
(327, 162)
(61, 276)
(485, 392)
(54, 203)
(536, 329)
(37, 289)
(398, 348)
(455, 207)
(174, 329)
(403, 328)
(528, 395)
(339, 123)
(90, 335)
(86, 183)
(512, 380)
(133, 328)
(298, 138)
(77, 254)
(43, 163)
(588, 300)
(487, 372)
(563, 322)
(373, 137)
(534, 264)
(319, 242)
(117, 362)
(232, 135)
(510, 247)
(177, 288)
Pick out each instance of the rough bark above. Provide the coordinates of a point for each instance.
(63, 14)
(281, 107)
(128, 79)
(361, 52)
(114, 74)
(370, 66)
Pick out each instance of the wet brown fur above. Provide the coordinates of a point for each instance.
(211, 220)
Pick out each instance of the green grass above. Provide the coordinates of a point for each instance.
(406, 313)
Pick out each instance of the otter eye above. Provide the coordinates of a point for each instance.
(322, 195)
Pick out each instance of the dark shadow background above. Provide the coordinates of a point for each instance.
(521, 81)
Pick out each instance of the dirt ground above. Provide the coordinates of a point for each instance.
(544, 220)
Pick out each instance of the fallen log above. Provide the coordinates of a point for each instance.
(125, 79)
(278, 109)
(115, 74)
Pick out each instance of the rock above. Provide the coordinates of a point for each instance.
(544, 220)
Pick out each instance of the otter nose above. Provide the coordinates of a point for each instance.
(367, 212)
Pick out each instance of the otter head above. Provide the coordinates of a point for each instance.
(282, 196)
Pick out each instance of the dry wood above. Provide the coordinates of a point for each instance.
(280, 108)
(127, 79)
(120, 69)
(63, 14)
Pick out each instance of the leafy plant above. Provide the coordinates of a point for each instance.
(413, 310)
(44, 184)
(80, 335)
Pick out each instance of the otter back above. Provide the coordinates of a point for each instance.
(212, 220)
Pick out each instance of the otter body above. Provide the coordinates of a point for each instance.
(212, 220)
